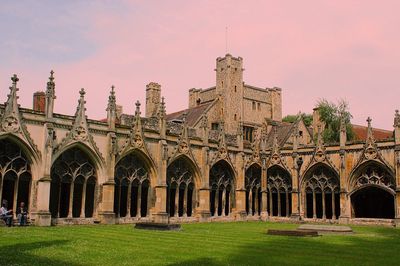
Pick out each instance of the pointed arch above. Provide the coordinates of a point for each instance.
(74, 179)
(134, 173)
(30, 153)
(279, 188)
(95, 158)
(222, 183)
(372, 172)
(253, 189)
(183, 177)
(15, 174)
(320, 187)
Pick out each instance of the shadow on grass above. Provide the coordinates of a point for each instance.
(21, 254)
(380, 248)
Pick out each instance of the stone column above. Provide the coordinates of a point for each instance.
(71, 199)
(139, 201)
(264, 194)
(177, 190)
(314, 205)
(323, 205)
(271, 205)
(333, 206)
(15, 197)
(129, 200)
(287, 203)
(240, 197)
(43, 216)
(279, 203)
(185, 200)
(83, 202)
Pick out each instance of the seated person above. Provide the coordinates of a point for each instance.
(22, 214)
(6, 214)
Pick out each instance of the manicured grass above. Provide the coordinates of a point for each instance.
(241, 243)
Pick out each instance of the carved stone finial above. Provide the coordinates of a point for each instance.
(342, 124)
(51, 78)
(184, 117)
(14, 79)
(397, 118)
(137, 111)
(82, 93)
(370, 137)
(162, 110)
(112, 105)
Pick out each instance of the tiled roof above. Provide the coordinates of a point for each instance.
(193, 114)
(379, 134)
(283, 131)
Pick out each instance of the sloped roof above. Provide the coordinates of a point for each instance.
(193, 114)
(283, 131)
(379, 134)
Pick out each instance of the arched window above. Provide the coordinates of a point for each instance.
(322, 198)
(373, 192)
(222, 189)
(73, 185)
(132, 184)
(253, 190)
(15, 175)
(279, 198)
(180, 188)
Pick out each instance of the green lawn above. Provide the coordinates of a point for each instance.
(241, 243)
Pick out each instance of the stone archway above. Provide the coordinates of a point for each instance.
(321, 193)
(279, 199)
(253, 190)
(132, 187)
(221, 189)
(180, 188)
(373, 192)
(73, 185)
(15, 175)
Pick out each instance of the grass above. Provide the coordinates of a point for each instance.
(240, 243)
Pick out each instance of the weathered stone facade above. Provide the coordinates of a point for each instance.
(201, 164)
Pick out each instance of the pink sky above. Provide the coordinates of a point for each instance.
(311, 49)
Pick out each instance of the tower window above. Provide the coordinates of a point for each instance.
(254, 105)
(198, 101)
(235, 117)
(301, 133)
(248, 133)
(235, 88)
(259, 106)
(214, 126)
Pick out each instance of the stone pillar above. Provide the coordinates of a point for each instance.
(106, 214)
(42, 214)
(160, 214)
(240, 210)
(264, 194)
(203, 210)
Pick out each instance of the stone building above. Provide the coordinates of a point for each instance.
(228, 156)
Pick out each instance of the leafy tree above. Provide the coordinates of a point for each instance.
(307, 118)
(331, 114)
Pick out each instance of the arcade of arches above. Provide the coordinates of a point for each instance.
(74, 188)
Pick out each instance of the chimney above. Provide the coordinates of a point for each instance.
(39, 101)
(317, 122)
(153, 98)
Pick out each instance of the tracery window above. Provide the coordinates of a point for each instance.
(279, 198)
(73, 185)
(132, 183)
(253, 190)
(180, 189)
(221, 189)
(322, 197)
(15, 175)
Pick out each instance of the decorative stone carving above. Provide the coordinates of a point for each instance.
(375, 176)
(11, 121)
(80, 130)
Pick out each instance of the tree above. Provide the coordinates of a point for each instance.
(332, 114)
(307, 118)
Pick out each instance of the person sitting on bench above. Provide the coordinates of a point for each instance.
(6, 214)
(22, 214)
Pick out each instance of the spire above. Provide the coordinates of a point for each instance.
(112, 106)
(162, 111)
(80, 127)
(11, 119)
(396, 119)
(111, 109)
(50, 95)
(343, 132)
(370, 135)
